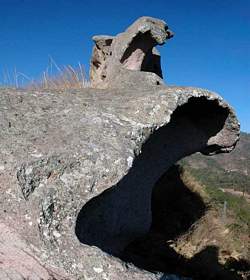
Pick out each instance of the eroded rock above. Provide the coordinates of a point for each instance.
(78, 167)
(118, 61)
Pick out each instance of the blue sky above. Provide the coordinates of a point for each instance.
(211, 47)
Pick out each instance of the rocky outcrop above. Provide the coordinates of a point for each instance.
(130, 57)
(78, 167)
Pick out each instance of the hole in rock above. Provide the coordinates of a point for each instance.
(152, 198)
(141, 55)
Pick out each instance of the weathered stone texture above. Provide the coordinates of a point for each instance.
(59, 150)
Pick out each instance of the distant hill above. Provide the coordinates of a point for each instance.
(227, 171)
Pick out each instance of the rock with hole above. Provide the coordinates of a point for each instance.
(77, 178)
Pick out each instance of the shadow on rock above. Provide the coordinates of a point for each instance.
(122, 213)
(135, 219)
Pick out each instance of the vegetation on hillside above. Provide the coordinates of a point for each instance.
(225, 171)
(225, 178)
(225, 224)
(223, 181)
(234, 209)
(193, 230)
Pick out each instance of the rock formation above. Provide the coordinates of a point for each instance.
(77, 168)
(134, 49)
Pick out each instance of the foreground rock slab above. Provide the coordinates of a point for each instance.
(60, 150)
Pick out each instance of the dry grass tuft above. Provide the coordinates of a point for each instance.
(66, 78)
(53, 78)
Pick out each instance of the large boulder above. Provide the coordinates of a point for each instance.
(77, 167)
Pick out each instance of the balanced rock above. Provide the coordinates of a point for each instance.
(114, 57)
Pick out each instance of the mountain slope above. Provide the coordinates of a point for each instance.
(227, 171)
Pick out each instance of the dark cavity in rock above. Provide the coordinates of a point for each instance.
(142, 56)
(122, 213)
